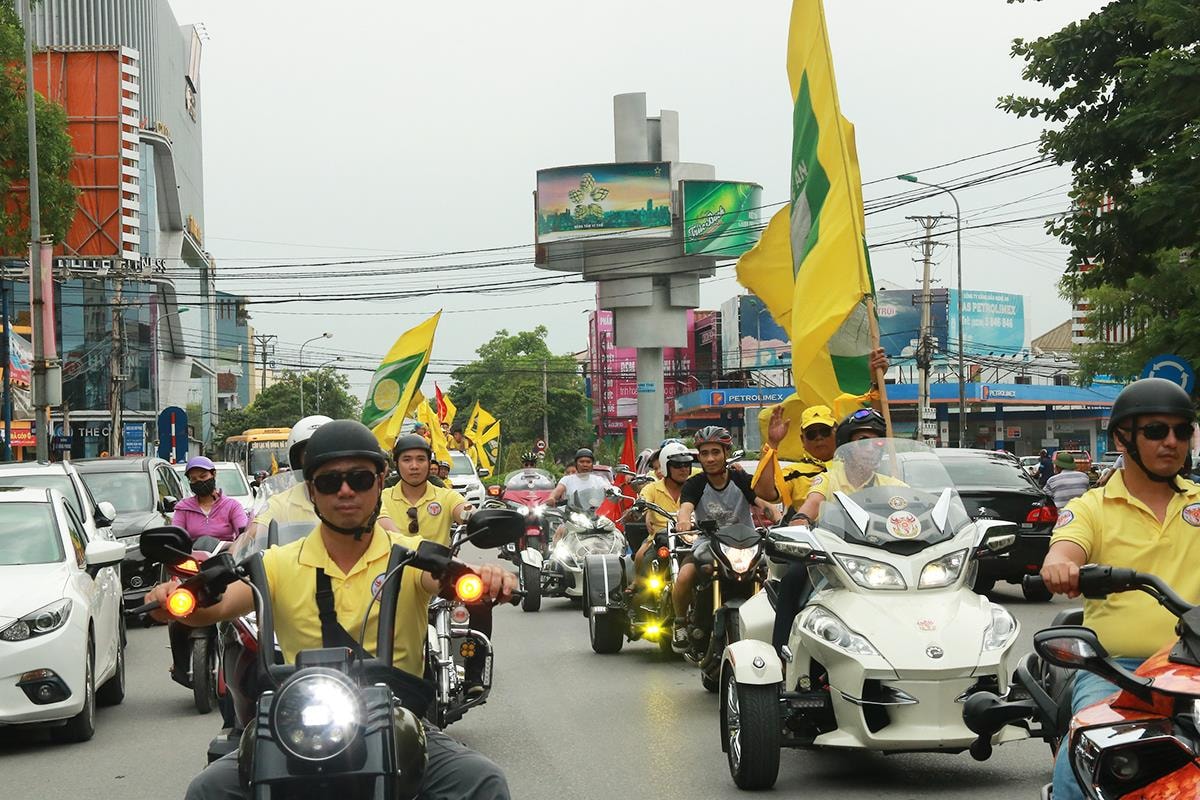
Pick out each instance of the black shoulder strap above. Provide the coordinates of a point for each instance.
(332, 632)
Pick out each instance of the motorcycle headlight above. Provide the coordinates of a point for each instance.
(741, 559)
(580, 520)
(539, 510)
(1002, 629)
(561, 551)
(1120, 759)
(828, 628)
(46, 619)
(317, 715)
(942, 572)
(871, 574)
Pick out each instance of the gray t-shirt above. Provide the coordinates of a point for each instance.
(725, 506)
(1066, 486)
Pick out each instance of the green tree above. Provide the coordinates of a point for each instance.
(1125, 112)
(278, 406)
(55, 191)
(506, 380)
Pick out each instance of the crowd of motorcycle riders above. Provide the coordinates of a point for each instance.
(1144, 517)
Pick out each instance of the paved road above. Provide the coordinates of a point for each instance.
(562, 722)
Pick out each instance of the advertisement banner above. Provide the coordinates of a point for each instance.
(993, 323)
(899, 312)
(592, 200)
(720, 218)
(750, 336)
(20, 359)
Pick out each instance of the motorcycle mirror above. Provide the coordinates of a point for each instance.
(495, 527)
(708, 526)
(1075, 647)
(787, 548)
(167, 544)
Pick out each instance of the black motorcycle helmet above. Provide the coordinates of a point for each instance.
(344, 438)
(584, 452)
(411, 441)
(1140, 398)
(528, 460)
(864, 419)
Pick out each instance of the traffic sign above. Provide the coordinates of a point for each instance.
(173, 434)
(540, 445)
(1174, 368)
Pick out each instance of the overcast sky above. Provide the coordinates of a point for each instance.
(361, 130)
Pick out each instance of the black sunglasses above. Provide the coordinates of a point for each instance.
(331, 482)
(1157, 431)
(818, 432)
(412, 519)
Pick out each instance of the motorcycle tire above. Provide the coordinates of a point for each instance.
(607, 632)
(750, 722)
(531, 576)
(983, 585)
(204, 675)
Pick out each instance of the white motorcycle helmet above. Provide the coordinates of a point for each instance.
(674, 451)
(300, 434)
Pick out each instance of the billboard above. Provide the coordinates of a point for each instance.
(720, 218)
(750, 336)
(613, 373)
(899, 312)
(993, 323)
(592, 200)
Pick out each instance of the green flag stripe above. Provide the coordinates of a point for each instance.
(853, 373)
(810, 182)
(387, 387)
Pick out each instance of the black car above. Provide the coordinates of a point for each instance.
(994, 485)
(144, 491)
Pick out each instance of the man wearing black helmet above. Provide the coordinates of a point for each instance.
(1145, 518)
(321, 586)
(528, 461)
(584, 477)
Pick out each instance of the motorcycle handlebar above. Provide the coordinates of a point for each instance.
(1097, 581)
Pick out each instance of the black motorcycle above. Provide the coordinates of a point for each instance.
(336, 722)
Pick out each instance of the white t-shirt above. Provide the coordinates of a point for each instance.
(573, 483)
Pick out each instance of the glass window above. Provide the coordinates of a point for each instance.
(45, 480)
(166, 484)
(996, 473)
(231, 482)
(29, 535)
(77, 534)
(460, 463)
(127, 491)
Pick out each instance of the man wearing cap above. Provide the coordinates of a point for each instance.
(1066, 483)
(208, 512)
(817, 426)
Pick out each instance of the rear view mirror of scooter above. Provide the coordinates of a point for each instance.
(495, 527)
(1074, 647)
(167, 545)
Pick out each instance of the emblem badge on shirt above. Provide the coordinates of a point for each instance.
(434, 509)
(926, 625)
(1065, 517)
(377, 584)
(817, 481)
(897, 503)
(904, 525)
(1191, 515)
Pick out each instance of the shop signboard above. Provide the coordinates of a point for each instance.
(602, 200)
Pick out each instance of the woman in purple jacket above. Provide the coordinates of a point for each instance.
(208, 512)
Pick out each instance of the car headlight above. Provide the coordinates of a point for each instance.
(1002, 629)
(741, 559)
(317, 715)
(828, 628)
(871, 574)
(46, 619)
(942, 572)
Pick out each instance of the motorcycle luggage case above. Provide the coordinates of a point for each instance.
(604, 581)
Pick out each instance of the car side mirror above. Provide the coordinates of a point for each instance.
(491, 528)
(167, 544)
(1075, 647)
(167, 504)
(105, 513)
(483, 472)
(101, 553)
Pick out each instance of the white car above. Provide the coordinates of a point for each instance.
(97, 517)
(231, 480)
(62, 644)
(465, 478)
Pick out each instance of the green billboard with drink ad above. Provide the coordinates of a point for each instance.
(720, 218)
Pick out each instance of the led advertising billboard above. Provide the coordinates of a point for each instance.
(597, 200)
(720, 218)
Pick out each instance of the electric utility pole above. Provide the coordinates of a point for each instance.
(925, 340)
(116, 366)
(545, 409)
(263, 340)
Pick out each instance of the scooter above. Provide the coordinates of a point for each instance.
(333, 723)
(1139, 743)
(892, 640)
(200, 649)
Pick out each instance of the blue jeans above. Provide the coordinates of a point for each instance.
(1089, 690)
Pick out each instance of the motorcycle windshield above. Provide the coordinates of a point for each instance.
(890, 493)
(272, 485)
(586, 500)
(530, 480)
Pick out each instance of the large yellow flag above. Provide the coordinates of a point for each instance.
(396, 381)
(437, 440)
(484, 432)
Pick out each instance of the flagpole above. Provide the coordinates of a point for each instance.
(879, 379)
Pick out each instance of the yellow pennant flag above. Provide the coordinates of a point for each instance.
(397, 380)
(483, 430)
(437, 439)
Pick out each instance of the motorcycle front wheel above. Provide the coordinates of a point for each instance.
(204, 674)
(531, 576)
(752, 731)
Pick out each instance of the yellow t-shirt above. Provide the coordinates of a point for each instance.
(835, 480)
(435, 511)
(801, 485)
(289, 506)
(292, 578)
(1114, 527)
(657, 493)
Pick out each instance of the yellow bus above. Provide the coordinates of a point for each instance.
(259, 449)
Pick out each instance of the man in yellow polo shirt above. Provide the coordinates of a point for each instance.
(1145, 518)
(348, 550)
(674, 462)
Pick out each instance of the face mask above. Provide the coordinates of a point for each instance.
(204, 488)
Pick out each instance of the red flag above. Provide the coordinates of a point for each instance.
(441, 403)
(628, 453)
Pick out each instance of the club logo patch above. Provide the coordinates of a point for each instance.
(1191, 515)
(817, 482)
(904, 525)
(926, 625)
(377, 584)
(434, 509)
(1066, 517)
(896, 503)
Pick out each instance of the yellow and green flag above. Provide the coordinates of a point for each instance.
(484, 432)
(437, 439)
(396, 380)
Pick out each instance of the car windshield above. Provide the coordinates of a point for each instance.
(460, 464)
(127, 491)
(28, 535)
(890, 493)
(529, 479)
(46, 480)
(231, 482)
(1030, 461)
(985, 470)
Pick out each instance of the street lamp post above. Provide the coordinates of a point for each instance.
(962, 376)
(319, 368)
(325, 335)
